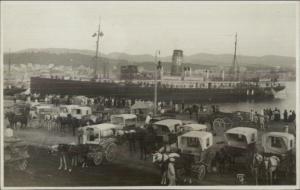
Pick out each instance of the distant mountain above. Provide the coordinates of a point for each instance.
(79, 57)
(214, 59)
(58, 51)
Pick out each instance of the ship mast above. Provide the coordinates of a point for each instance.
(99, 34)
(9, 63)
(235, 65)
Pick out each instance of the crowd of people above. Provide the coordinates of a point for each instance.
(263, 117)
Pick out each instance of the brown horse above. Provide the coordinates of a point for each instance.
(69, 155)
(14, 119)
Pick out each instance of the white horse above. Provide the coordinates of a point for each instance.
(162, 159)
(57, 149)
(257, 162)
(271, 164)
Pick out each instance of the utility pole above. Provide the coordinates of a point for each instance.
(99, 34)
(155, 82)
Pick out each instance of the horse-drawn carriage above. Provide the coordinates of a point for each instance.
(193, 151)
(241, 145)
(197, 144)
(75, 111)
(281, 145)
(166, 131)
(124, 121)
(222, 121)
(19, 113)
(102, 141)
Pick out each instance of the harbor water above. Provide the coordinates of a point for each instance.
(285, 99)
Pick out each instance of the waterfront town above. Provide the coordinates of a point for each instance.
(175, 142)
(85, 118)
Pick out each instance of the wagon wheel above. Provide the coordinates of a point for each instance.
(22, 164)
(201, 172)
(110, 152)
(219, 126)
(98, 158)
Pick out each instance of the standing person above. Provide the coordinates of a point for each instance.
(148, 118)
(270, 114)
(171, 172)
(131, 140)
(188, 160)
(142, 144)
(163, 169)
(290, 116)
(262, 122)
(293, 115)
(251, 115)
(285, 116)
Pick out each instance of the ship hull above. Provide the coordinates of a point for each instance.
(91, 89)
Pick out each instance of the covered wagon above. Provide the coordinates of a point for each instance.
(196, 146)
(124, 121)
(102, 139)
(241, 143)
(282, 145)
(166, 130)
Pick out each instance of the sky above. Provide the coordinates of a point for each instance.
(263, 28)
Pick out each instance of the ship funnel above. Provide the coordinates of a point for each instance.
(177, 61)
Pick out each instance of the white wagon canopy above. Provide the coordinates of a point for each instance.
(278, 142)
(241, 137)
(194, 127)
(195, 141)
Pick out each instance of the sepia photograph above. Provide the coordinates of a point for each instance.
(149, 94)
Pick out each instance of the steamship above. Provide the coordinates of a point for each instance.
(179, 87)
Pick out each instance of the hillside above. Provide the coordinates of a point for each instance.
(77, 57)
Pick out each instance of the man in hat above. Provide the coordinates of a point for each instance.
(141, 139)
(171, 172)
(131, 140)
(148, 118)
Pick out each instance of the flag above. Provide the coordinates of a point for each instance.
(95, 34)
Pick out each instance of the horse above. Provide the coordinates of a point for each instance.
(161, 159)
(271, 165)
(69, 154)
(61, 150)
(13, 119)
(256, 166)
(222, 158)
(10, 116)
(66, 122)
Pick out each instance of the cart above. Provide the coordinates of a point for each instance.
(241, 144)
(102, 140)
(282, 145)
